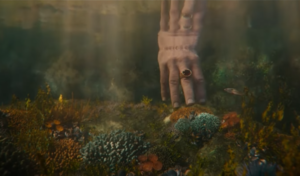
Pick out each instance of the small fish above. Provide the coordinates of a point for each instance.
(233, 91)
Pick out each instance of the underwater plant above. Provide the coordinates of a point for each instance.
(197, 167)
(146, 101)
(114, 149)
(229, 168)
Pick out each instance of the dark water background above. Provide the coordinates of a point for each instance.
(108, 50)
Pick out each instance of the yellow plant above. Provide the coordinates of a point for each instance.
(146, 101)
(161, 108)
(230, 165)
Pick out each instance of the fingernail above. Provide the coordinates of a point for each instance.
(164, 99)
(176, 105)
(190, 101)
(202, 100)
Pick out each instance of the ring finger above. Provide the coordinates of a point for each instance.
(186, 81)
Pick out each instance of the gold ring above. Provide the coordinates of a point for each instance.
(185, 73)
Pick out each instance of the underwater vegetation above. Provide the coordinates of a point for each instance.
(114, 148)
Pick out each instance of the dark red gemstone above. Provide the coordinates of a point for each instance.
(186, 72)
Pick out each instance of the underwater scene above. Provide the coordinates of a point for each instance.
(149, 88)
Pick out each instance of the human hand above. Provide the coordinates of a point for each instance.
(177, 57)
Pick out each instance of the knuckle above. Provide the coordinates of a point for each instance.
(194, 59)
(173, 12)
(199, 80)
(173, 82)
(163, 82)
(185, 80)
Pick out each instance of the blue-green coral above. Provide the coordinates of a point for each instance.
(204, 124)
(118, 147)
(183, 125)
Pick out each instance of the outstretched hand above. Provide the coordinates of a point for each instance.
(177, 58)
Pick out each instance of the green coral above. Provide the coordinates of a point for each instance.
(183, 125)
(204, 124)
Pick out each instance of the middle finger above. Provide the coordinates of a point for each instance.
(174, 83)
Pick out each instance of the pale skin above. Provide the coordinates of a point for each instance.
(177, 39)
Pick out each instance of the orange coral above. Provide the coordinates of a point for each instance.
(185, 112)
(153, 158)
(59, 128)
(230, 120)
(48, 124)
(147, 166)
(157, 166)
(149, 162)
(142, 158)
(56, 122)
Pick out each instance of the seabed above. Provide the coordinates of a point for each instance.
(57, 137)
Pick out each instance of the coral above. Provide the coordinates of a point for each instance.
(113, 149)
(65, 158)
(14, 161)
(183, 125)
(166, 155)
(149, 163)
(230, 119)
(185, 112)
(206, 124)
(203, 124)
